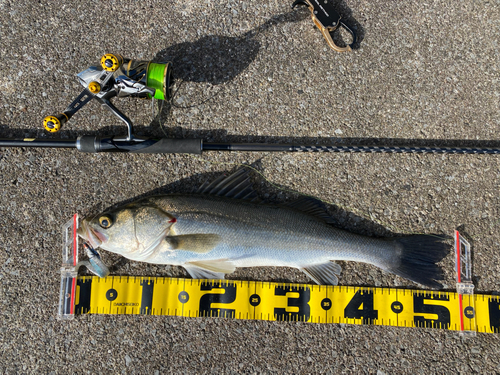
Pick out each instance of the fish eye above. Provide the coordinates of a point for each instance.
(105, 222)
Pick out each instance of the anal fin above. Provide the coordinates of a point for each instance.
(324, 273)
(201, 273)
(209, 269)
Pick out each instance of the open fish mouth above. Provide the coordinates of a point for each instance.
(94, 237)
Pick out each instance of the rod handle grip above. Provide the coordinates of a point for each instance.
(92, 144)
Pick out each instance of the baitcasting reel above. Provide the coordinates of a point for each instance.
(119, 77)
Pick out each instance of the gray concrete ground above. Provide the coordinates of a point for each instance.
(249, 71)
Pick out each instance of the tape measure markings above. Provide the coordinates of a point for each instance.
(286, 302)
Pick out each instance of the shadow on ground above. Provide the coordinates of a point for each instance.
(217, 59)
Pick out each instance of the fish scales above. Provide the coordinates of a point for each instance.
(264, 235)
(211, 233)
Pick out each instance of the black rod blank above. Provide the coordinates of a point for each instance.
(95, 144)
(347, 149)
(33, 142)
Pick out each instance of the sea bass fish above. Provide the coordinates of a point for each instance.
(222, 227)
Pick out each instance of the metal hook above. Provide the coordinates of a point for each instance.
(327, 20)
(327, 33)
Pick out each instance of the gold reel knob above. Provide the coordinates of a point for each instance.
(110, 62)
(53, 123)
(94, 87)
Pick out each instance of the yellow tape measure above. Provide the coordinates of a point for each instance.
(287, 302)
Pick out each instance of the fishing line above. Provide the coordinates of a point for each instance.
(252, 33)
(193, 105)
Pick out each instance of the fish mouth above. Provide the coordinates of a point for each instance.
(89, 234)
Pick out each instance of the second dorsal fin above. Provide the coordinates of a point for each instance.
(311, 206)
(236, 185)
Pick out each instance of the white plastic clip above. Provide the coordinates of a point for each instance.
(465, 287)
(69, 271)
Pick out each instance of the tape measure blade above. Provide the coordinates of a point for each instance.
(286, 302)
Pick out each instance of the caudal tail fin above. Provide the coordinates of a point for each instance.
(418, 256)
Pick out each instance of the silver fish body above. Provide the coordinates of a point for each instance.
(212, 234)
(254, 235)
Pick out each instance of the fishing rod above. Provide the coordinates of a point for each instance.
(121, 77)
(94, 144)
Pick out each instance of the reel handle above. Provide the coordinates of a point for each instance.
(54, 123)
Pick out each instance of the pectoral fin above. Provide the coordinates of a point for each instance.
(323, 274)
(197, 243)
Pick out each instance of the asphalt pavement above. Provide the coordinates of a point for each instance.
(250, 71)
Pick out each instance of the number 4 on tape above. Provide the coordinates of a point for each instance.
(286, 302)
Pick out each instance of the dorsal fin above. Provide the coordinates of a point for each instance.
(311, 206)
(236, 185)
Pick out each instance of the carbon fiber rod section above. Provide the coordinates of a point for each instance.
(195, 146)
(265, 147)
(398, 149)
